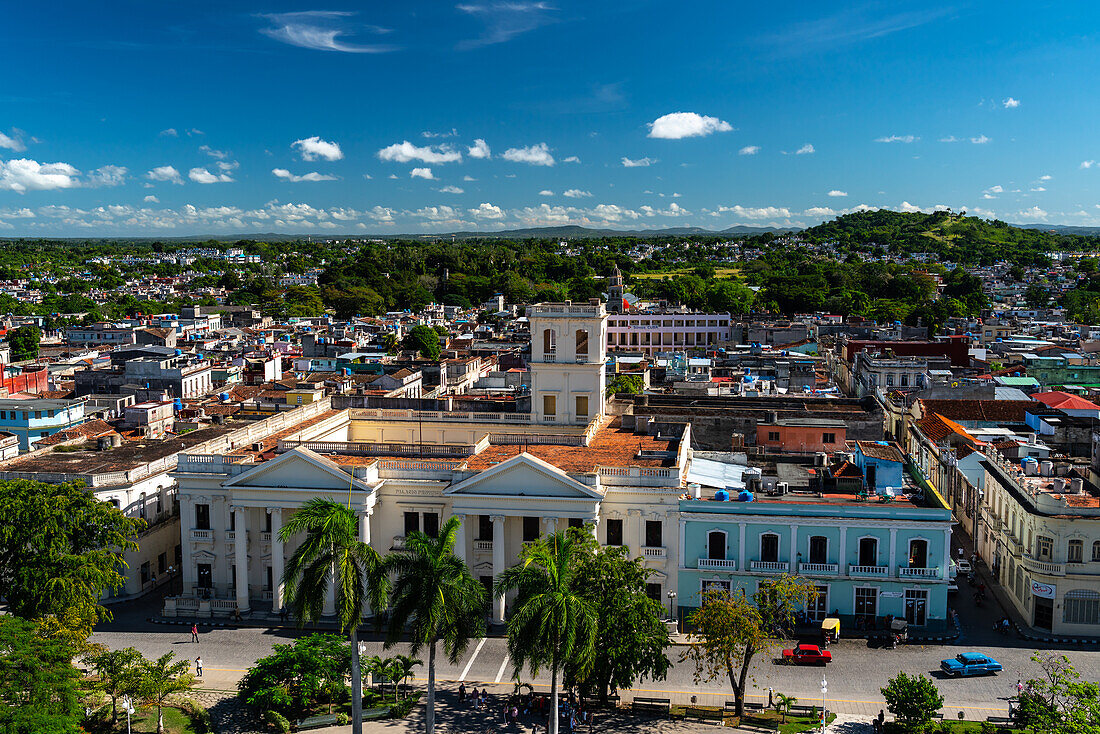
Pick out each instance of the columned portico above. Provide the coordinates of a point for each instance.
(460, 537)
(240, 549)
(276, 559)
(549, 525)
(498, 565)
(187, 513)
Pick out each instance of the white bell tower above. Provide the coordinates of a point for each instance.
(568, 352)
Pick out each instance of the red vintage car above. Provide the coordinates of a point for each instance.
(807, 655)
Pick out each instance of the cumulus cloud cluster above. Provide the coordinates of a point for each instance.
(314, 148)
(678, 125)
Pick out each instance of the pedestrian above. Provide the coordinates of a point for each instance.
(462, 693)
(962, 553)
(153, 580)
(283, 614)
(973, 559)
(1019, 686)
(236, 613)
(198, 666)
(194, 633)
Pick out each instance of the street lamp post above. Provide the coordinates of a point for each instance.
(824, 690)
(671, 600)
(128, 707)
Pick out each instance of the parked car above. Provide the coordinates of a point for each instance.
(970, 663)
(964, 567)
(807, 655)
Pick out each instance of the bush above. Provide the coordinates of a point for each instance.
(200, 717)
(342, 719)
(912, 700)
(277, 722)
(402, 708)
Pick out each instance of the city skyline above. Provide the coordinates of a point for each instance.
(372, 119)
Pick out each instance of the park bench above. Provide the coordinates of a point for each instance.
(1000, 720)
(801, 710)
(749, 706)
(704, 714)
(594, 701)
(316, 722)
(760, 723)
(650, 705)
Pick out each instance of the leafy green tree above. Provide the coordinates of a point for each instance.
(60, 549)
(38, 683)
(436, 599)
(23, 341)
(784, 703)
(118, 672)
(423, 340)
(1037, 296)
(912, 700)
(1058, 702)
(631, 632)
(294, 678)
(403, 667)
(161, 679)
(733, 628)
(628, 384)
(553, 625)
(332, 550)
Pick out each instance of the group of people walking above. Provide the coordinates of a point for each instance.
(516, 709)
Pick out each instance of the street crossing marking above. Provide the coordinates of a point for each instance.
(471, 660)
(500, 672)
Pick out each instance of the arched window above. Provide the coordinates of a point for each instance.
(819, 549)
(549, 341)
(868, 551)
(1096, 551)
(918, 553)
(716, 545)
(1081, 606)
(1075, 551)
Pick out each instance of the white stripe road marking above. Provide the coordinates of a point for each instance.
(500, 672)
(471, 660)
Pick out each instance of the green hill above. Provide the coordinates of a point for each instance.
(950, 236)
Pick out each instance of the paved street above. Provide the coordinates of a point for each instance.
(854, 677)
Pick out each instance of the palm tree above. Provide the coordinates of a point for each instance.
(118, 672)
(551, 623)
(161, 679)
(437, 598)
(403, 669)
(374, 666)
(332, 550)
(783, 703)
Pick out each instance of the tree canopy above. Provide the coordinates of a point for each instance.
(38, 683)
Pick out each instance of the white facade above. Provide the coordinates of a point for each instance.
(568, 351)
(651, 332)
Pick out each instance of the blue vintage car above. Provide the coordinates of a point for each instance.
(970, 663)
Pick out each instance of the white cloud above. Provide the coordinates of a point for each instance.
(452, 190)
(286, 175)
(165, 173)
(763, 212)
(838, 192)
(1038, 188)
(487, 211)
(536, 155)
(405, 151)
(319, 30)
(613, 212)
(12, 143)
(1034, 213)
(640, 162)
(227, 166)
(749, 150)
(505, 20)
(449, 134)
(219, 154)
(678, 125)
(437, 213)
(150, 199)
(468, 178)
(107, 176)
(546, 192)
(821, 212)
(314, 148)
(981, 140)
(806, 149)
(204, 176)
(1011, 103)
(576, 193)
(195, 131)
(1088, 164)
(1045, 177)
(907, 207)
(949, 139)
(169, 133)
(674, 210)
(480, 149)
(425, 173)
(21, 175)
(897, 139)
(571, 159)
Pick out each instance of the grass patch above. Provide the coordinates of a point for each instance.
(953, 727)
(142, 722)
(724, 272)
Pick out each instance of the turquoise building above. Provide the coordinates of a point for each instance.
(868, 558)
(35, 419)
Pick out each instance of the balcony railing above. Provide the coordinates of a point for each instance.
(818, 568)
(717, 564)
(483, 546)
(770, 566)
(203, 534)
(1046, 567)
(653, 551)
(918, 573)
(868, 570)
(549, 356)
(265, 536)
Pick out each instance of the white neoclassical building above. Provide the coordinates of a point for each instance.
(509, 477)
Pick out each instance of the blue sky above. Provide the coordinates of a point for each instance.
(173, 119)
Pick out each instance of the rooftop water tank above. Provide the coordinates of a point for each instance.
(744, 496)
(722, 496)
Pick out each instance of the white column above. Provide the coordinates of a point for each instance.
(549, 525)
(794, 548)
(634, 537)
(329, 608)
(460, 537)
(842, 556)
(893, 552)
(594, 527)
(364, 526)
(187, 521)
(276, 559)
(498, 565)
(947, 553)
(240, 549)
(742, 551)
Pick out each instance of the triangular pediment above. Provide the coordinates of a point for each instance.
(524, 476)
(298, 468)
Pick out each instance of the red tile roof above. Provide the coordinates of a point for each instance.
(1065, 401)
